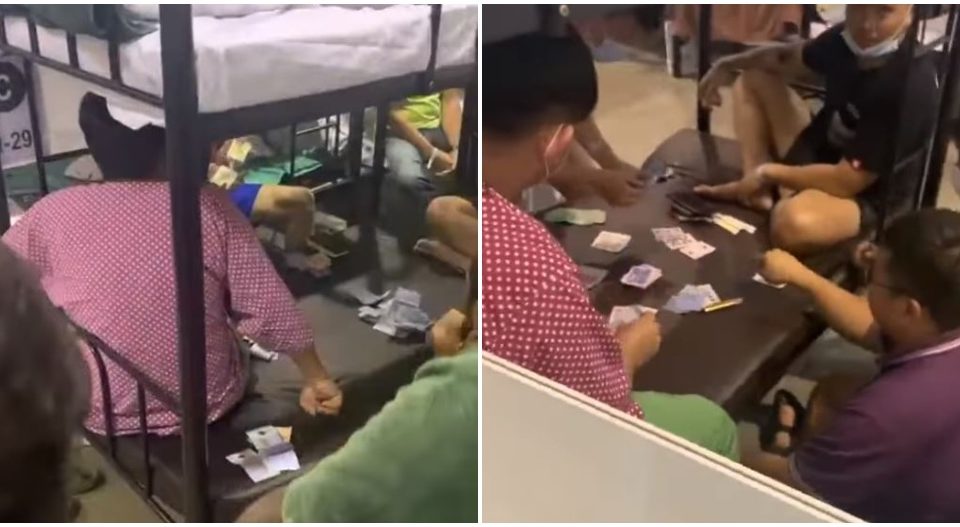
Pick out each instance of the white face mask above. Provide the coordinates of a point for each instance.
(546, 163)
(884, 48)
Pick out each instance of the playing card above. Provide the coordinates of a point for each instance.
(666, 233)
(591, 276)
(251, 463)
(613, 242)
(264, 438)
(707, 294)
(283, 462)
(681, 241)
(621, 315)
(738, 223)
(641, 276)
(759, 278)
(697, 249)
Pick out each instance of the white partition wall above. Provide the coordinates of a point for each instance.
(552, 455)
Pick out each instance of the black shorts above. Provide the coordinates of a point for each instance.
(812, 147)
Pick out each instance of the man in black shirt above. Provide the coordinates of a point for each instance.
(827, 170)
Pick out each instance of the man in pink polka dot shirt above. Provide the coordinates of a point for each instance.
(104, 255)
(535, 310)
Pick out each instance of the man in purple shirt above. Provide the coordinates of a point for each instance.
(887, 449)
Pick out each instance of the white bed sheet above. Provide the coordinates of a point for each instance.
(277, 55)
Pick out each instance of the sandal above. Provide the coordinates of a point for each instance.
(771, 426)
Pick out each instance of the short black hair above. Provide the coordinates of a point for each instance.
(44, 393)
(532, 79)
(924, 249)
(123, 154)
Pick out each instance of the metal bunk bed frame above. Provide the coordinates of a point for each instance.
(188, 134)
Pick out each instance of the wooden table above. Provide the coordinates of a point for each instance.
(731, 356)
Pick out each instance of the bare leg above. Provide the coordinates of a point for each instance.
(768, 117)
(290, 209)
(813, 220)
(830, 394)
(453, 220)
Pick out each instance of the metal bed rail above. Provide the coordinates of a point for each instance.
(99, 350)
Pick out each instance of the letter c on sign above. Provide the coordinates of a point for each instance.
(13, 86)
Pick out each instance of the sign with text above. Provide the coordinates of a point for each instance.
(16, 134)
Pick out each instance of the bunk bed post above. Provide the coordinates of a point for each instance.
(187, 163)
(929, 186)
(4, 208)
(366, 195)
(704, 34)
(37, 138)
(467, 158)
(893, 153)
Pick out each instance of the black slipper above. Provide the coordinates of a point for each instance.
(772, 425)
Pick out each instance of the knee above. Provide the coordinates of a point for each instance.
(754, 80)
(791, 224)
(440, 209)
(297, 200)
(724, 436)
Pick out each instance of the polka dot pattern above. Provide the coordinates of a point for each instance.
(536, 312)
(105, 255)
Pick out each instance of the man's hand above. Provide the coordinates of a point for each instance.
(864, 255)
(447, 334)
(620, 187)
(753, 191)
(321, 396)
(639, 341)
(443, 162)
(719, 76)
(781, 267)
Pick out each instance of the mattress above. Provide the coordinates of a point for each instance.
(276, 55)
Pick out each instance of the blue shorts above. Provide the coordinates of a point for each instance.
(244, 195)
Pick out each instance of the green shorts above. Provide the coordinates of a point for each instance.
(693, 418)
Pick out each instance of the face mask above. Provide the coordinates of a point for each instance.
(884, 48)
(546, 162)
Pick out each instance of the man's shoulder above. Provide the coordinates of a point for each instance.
(518, 248)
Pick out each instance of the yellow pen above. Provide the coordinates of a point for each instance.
(723, 304)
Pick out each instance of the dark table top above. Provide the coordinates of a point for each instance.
(730, 356)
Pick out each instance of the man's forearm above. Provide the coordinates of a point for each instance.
(589, 136)
(451, 117)
(848, 314)
(309, 365)
(838, 180)
(780, 59)
(406, 131)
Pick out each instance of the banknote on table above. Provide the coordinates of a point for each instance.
(613, 242)
(576, 216)
(621, 315)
